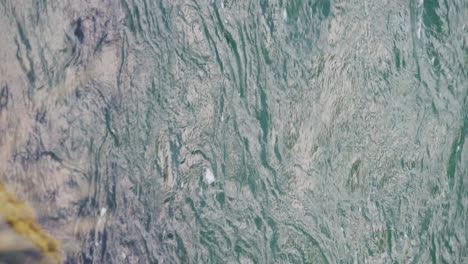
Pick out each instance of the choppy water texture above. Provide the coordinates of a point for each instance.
(239, 131)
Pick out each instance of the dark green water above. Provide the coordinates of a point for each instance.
(212, 131)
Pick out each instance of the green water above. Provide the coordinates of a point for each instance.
(212, 131)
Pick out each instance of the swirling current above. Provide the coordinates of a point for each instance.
(221, 131)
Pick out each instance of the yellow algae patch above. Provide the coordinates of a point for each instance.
(21, 219)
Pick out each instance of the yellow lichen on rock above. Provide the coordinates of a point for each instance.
(21, 219)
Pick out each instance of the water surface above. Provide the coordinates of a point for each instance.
(239, 131)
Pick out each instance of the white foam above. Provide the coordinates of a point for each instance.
(103, 211)
(209, 177)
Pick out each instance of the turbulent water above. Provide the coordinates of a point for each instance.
(269, 131)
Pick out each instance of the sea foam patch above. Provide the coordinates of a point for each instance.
(209, 176)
